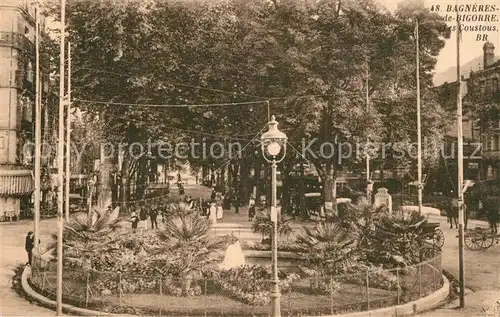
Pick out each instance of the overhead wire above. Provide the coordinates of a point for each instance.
(173, 83)
(112, 103)
(220, 136)
(234, 93)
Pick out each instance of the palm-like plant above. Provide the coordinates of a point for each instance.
(328, 249)
(397, 238)
(188, 249)
(180, 208)
(264, 225)
(89, 235)
(182, 228)
(360, 218)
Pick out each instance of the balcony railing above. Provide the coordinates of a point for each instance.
(17, 40)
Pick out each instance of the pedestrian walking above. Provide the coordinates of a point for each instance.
(28, 246)
(212, 213)
(251, 202)
(143, 217)
(220, 211)
(153, 214)
(50, 197)
(236, 204)
(134, 220)
(162, 211)
(251, 212)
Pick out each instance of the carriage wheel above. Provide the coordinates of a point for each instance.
(438, 238)
(472, 241)
(486, 240)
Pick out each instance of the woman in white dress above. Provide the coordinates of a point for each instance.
(220, 211)
(213, 213)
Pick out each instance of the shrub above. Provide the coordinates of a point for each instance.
(264, 225)
(323, 286)
(378, 277)
(251, 284)
(396, 239)
(283, 246)
(327, 250)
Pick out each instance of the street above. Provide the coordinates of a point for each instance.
(13, 253)
(482, 280)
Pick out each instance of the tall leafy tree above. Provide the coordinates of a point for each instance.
(307, 60)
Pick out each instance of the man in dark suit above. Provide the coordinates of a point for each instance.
(29, 244)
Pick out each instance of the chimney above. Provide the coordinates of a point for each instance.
(488, 54)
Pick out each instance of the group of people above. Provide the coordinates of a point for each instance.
(212, 209)
(141, 214)
(139, 217)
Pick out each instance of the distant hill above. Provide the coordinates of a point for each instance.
(450, 75)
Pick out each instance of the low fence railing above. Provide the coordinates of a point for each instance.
(128, 293)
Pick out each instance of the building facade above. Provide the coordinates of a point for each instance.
(484, 93)
(17, 104)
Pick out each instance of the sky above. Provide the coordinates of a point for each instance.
(470, 47)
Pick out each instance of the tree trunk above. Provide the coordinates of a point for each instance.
(225, 181)
(153, 171)
(205, 173)
(124, 182)
(328, 180)
(141, 179)
(212, 176)
(302, 193)
(328, 176)
(244, 178)
(236, 178)
(230, 180)
(257, 181)
(105, 192)
(285, 193)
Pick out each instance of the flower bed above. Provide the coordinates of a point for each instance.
(242, 291)
(177, 270)
(251, 284)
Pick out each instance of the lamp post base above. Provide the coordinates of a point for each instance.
(275, 303)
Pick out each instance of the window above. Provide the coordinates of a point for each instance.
(481, 86)
(487, 143)
(29, 72)
(487, 85)
(494, 85)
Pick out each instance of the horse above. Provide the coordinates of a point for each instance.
(451, 210)
(492, 213)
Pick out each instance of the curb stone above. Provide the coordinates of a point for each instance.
(423, 304)
(69, 309)
(426, 303)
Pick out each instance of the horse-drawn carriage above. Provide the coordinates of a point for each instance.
(480, 238)
(433, 234)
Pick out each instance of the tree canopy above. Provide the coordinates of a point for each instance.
(308, 62)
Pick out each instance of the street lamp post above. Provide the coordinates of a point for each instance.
(273, 145)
